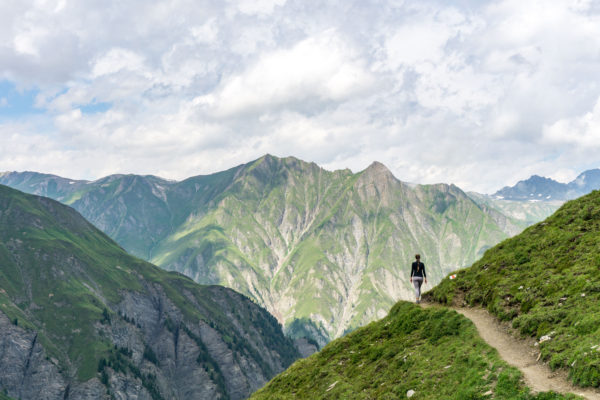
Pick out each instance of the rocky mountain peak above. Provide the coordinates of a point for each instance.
(539, 188)
(378, 172)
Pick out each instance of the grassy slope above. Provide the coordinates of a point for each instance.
(435, 352)
(547, 282)
(59, 273)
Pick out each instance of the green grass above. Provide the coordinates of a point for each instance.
(435, 352)
(546, 281)
(61, 277)
(3, 396)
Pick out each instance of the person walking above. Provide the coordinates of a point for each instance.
(417, 275)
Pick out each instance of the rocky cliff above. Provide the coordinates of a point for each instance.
(82, 319)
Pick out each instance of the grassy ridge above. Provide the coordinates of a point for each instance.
(435, 352)
(63, 278)
(547, 282)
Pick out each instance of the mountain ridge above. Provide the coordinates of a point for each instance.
(538, 188)
(323, 248)
(82, 319)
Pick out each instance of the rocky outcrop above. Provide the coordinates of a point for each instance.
(26, 371)
(81, 319)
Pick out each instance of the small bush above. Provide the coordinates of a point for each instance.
(150, 355)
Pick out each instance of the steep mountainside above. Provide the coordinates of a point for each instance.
(323, 251)
(413, 352)
(538, 188)
(547, 282)
(82, 319)
(526, 213)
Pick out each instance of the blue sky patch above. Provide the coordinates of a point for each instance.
(16, 103)
(93, 108)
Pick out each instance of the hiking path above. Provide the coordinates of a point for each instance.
(521, 353)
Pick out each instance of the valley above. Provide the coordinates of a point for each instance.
(82, 319)
(323, 251)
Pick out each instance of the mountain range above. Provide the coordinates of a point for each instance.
(323, 251)
(538, 188)
(544, 284)
(82, 319)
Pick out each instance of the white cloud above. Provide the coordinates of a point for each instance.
(26, 42)
(206, 33)
(316, 69)
(480, 94)
(116, 60)
(257, 7)
(583, 130)
(424, 38)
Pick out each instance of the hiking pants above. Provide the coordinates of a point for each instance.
(417, 282)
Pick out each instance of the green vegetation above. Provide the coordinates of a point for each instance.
(547, 282)
(330, 246)
(64, 279)
(4, 396)
(435, 352)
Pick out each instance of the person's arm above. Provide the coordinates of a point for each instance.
(412, 270)
(424, 274)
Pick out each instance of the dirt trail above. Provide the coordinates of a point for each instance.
(522, 354)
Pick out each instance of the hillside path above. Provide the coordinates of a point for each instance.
(522, 354)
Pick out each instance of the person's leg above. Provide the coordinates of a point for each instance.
(417, 281)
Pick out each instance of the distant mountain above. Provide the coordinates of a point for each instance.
(586, 182)
(82, 319)
(526, 212)
(46, 185)
(538, 188)
(546, 283)
(325, 252)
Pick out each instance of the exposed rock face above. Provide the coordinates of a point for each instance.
(327, 250)
(81, 319)
(305, 347)
(524, 212)
(26, 373)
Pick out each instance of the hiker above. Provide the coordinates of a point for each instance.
(417, 275)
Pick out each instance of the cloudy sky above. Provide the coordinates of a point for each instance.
(480, 94)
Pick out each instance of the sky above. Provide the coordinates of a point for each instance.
(477, 93)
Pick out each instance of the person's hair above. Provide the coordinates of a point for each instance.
(418, 256)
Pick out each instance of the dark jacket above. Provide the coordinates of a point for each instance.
(418, 270)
